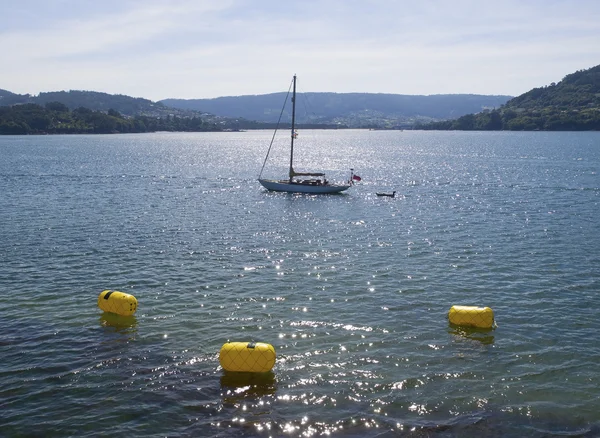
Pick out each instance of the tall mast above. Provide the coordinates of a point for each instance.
(293, 130)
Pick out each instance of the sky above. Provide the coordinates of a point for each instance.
(211, 48)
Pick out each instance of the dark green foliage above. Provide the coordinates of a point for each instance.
(103, 102)
(55, 118)
(92, 112)
(57, 106)
(13, 128)
(100, 101)
(571, 105)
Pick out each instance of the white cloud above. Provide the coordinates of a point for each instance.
(207, 49)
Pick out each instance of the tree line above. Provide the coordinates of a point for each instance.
(542, 119)
(57, 118)
(573, 104)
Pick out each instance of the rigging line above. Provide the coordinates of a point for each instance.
(308, 109)
(276, 128)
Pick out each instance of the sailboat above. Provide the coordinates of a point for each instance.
(302, 182)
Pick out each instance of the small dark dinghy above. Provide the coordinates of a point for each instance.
(390, 195)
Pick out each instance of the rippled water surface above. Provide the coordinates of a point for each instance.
(352, 290)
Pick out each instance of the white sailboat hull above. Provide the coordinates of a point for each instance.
(296, 187)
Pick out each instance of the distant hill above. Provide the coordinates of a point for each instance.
(356, 110)
(573, 104)
(69, 112)
(76, 112)
(96, 101)
(7, 98)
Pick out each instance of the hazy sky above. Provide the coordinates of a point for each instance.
(209, 48)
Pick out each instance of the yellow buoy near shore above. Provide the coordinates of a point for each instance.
(117, 302)
(253, 357)
(471, 316)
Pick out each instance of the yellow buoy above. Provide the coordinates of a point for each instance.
(117, 302)
(253, 357)
(471, 316)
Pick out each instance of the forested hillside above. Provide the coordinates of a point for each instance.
(57, 118)
(573, 104)
(95, 101)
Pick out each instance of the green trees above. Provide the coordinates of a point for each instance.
(57, 107)
(571, 105)
(13, 128)
(56, 118)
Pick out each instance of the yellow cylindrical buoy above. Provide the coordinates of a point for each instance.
(253, 357)
(472, 316)
(117, 302)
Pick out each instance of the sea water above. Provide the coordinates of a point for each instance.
(352, 290)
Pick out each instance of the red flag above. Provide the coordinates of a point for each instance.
(356, 178)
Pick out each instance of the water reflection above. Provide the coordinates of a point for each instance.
(472, 333)
(121, 324)
(237, 386)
